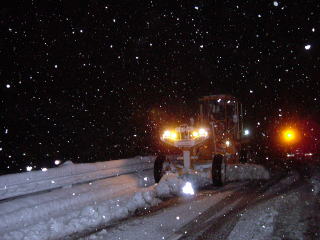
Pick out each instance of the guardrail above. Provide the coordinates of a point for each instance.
(14, 185)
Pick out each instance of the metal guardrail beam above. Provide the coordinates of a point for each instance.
(15, 185)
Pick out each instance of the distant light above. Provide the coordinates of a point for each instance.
(44, 169)
(188, 189)
(289, 135)
(177, 217)
(307, 47)
(55, 66)
(8, 86)
(196, 8)
(228, 143)
(201, 46)
(145, 178)
(219, 100)
(29, 168)
(275, 3)
(57, 162)
(313, 29)
(246, 132)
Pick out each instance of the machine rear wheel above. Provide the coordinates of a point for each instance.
(158, 168)
(218, 170)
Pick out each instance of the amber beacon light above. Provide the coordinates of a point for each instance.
(289, 136)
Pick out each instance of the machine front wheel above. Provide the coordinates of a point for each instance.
(218, 170)
(158, 168)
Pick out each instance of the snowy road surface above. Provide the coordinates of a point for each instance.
(285, 207)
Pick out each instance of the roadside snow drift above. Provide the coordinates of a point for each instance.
(82, 208)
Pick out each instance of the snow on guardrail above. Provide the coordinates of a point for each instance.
(13, 185)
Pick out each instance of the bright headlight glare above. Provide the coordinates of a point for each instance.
(169, 135)
(166, 134)
(173, 135)
(246, 132)
(203, 132)
(188, 189)
(195, 134)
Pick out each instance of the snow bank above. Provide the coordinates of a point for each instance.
(240, 172)
(13, 185)
(85, 216)
(84, 207)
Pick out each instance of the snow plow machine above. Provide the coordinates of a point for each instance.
(214, 140)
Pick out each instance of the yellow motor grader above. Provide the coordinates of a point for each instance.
(217, 138)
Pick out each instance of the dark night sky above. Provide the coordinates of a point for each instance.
(98, 80)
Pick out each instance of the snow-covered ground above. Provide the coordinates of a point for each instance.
(288, 209)
(293, 214)
(163, 224)
(81, 208)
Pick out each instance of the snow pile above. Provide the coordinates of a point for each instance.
(73, 216)
(89, 217)
(13, 185)
(240, 172)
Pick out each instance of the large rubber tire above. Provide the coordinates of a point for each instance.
(218, 166)
(158, 168)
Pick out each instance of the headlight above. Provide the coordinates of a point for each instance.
(246, 132)
(169, 135)
(195, 134)
(203, 132)
(166, 134)
(200, 133)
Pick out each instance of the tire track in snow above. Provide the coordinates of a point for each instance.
(220, 219)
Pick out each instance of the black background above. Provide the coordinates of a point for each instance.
(98, 80)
